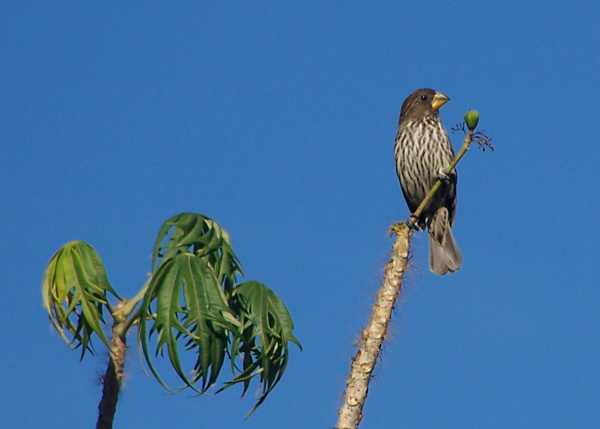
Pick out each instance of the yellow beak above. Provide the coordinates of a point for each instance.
(439, 99)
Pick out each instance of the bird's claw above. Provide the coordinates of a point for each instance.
(413, 223)
(443, 175)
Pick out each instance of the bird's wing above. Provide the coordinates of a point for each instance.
(411, 202)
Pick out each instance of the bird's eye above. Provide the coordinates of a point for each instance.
(423, 97)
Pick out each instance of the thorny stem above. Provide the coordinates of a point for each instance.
(372, 337)
(127, 306)
(113, 377)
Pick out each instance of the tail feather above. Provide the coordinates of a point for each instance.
(444, 255)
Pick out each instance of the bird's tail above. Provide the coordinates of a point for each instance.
(444, 255)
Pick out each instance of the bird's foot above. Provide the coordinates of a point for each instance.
(443, 175)
(413, 223)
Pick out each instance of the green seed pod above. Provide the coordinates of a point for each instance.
(472, 119)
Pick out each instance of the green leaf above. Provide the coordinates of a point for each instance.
(74, 292)
(263, 343)
(192, 303)
(185, 304)
(202, 236)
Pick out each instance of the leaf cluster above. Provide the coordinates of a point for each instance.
(75, 293)
(192, 302)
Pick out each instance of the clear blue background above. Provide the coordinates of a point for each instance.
(277, 119)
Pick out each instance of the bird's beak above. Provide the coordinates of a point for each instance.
(439, 99)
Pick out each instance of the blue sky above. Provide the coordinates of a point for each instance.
(277, 119)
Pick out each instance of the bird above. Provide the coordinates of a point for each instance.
(423, 152)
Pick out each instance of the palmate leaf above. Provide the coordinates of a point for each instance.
(202, 236)
(185, 303)
(262, 343)
(192, 303)
(74, 292)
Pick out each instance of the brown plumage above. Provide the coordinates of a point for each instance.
(422, 151)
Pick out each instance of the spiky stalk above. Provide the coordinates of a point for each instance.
(115, 369)
(372, 337)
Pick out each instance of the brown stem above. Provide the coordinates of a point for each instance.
(113, 378)
(373, 335)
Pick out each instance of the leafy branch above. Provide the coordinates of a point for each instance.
(192, 300)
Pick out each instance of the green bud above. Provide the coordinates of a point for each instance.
(472, 119)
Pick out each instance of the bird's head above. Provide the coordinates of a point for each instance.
(422, 103)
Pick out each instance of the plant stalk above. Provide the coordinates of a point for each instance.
(113, 377)
(115, 370)
(363, 363)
